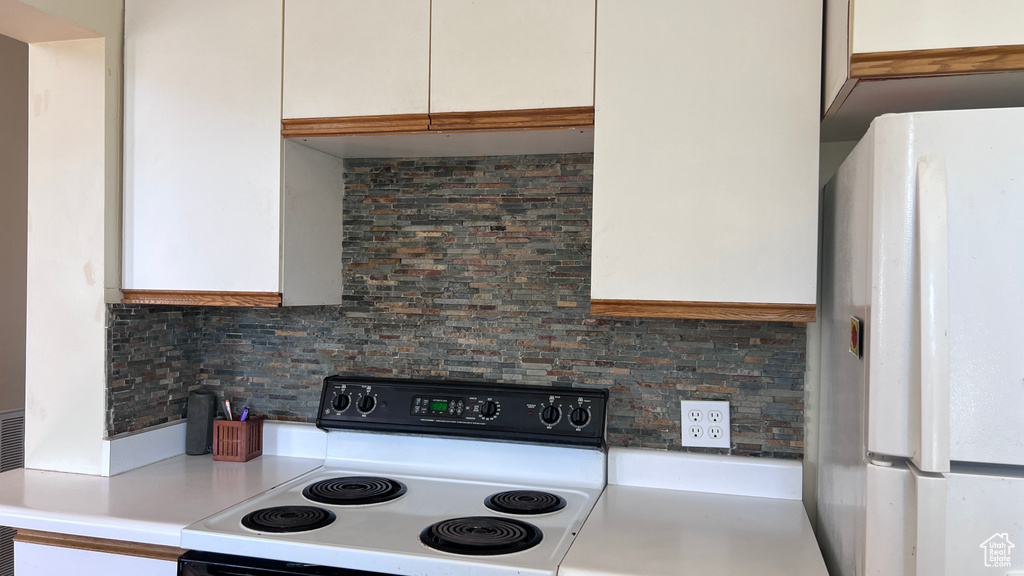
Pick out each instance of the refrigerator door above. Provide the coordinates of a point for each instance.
(968, 522)
(984, 181)
(905, 522)
(985, 521)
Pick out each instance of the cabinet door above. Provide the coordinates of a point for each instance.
(356, 58)
(500, 55)
(918, 55)
(202, 156)
(38, 560)
(706, 151)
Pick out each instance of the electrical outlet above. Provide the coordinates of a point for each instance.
(706, 423)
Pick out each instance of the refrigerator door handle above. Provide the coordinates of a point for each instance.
(932, 454)
(929, 520)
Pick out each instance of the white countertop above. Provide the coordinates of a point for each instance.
(149, 505)
(659, 517)
(662, 513)
(655, 532)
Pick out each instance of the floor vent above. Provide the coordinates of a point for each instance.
(12, 455)
(6, 551)
(12, 440)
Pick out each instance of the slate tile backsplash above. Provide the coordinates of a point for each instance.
(153, 360)
(469, 269)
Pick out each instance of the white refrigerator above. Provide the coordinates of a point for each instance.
(921, 461)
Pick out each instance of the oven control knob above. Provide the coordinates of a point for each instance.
(550, 415)
(341, 402)
(579, 417)
(489, 409)
(366, 403)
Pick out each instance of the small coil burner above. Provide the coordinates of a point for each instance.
(481, 535)
(288, 519)
(354, 490)
(525, 502)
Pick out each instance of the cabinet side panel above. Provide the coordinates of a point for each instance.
(884, 25)
(202, 145)
(705, 175)
(311, 254)
(496, 55)
(837, 48)
(356, 58)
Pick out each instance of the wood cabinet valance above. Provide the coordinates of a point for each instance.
(540, 118)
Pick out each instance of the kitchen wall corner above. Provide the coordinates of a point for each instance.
(13, 220)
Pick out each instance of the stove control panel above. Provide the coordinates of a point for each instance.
(533, 413)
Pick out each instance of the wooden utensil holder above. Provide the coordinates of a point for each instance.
(235, 441)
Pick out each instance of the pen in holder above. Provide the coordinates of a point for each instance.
(237, 441)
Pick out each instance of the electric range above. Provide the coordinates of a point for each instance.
(425, 478)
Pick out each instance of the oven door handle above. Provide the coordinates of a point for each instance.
(207, 570)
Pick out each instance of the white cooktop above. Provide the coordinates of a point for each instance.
(445, 479)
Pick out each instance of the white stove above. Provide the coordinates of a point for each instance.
(451, 503)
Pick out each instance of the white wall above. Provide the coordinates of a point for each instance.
(104, 18)
(73, 221)
(66, 333)
(13, 218)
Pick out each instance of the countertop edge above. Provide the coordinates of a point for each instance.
(29, 503)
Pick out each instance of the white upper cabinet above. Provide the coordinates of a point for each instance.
(502, 55)
(202, 145)
(886, 26)
(204, 207)
(706, 153)
(914, 55)
(356, 58)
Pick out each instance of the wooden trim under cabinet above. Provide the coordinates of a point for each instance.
(355, 125)
(153, 551)
(937, 62)
(491, 120)
(202, 298)
(704, 310)
(513, 119)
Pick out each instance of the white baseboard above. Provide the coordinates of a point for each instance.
(137, 449)
(712, 473)
(126, 452)
(295, 439)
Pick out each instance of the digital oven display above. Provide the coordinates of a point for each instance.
(450, 407)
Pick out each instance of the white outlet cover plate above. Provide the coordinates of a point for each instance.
(705, 439)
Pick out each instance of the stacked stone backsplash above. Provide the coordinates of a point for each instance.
(153, 361)
(468, 269)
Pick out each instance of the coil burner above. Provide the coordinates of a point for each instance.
(525, 502)
(354, 490)
(288, 519)
(481, 535)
